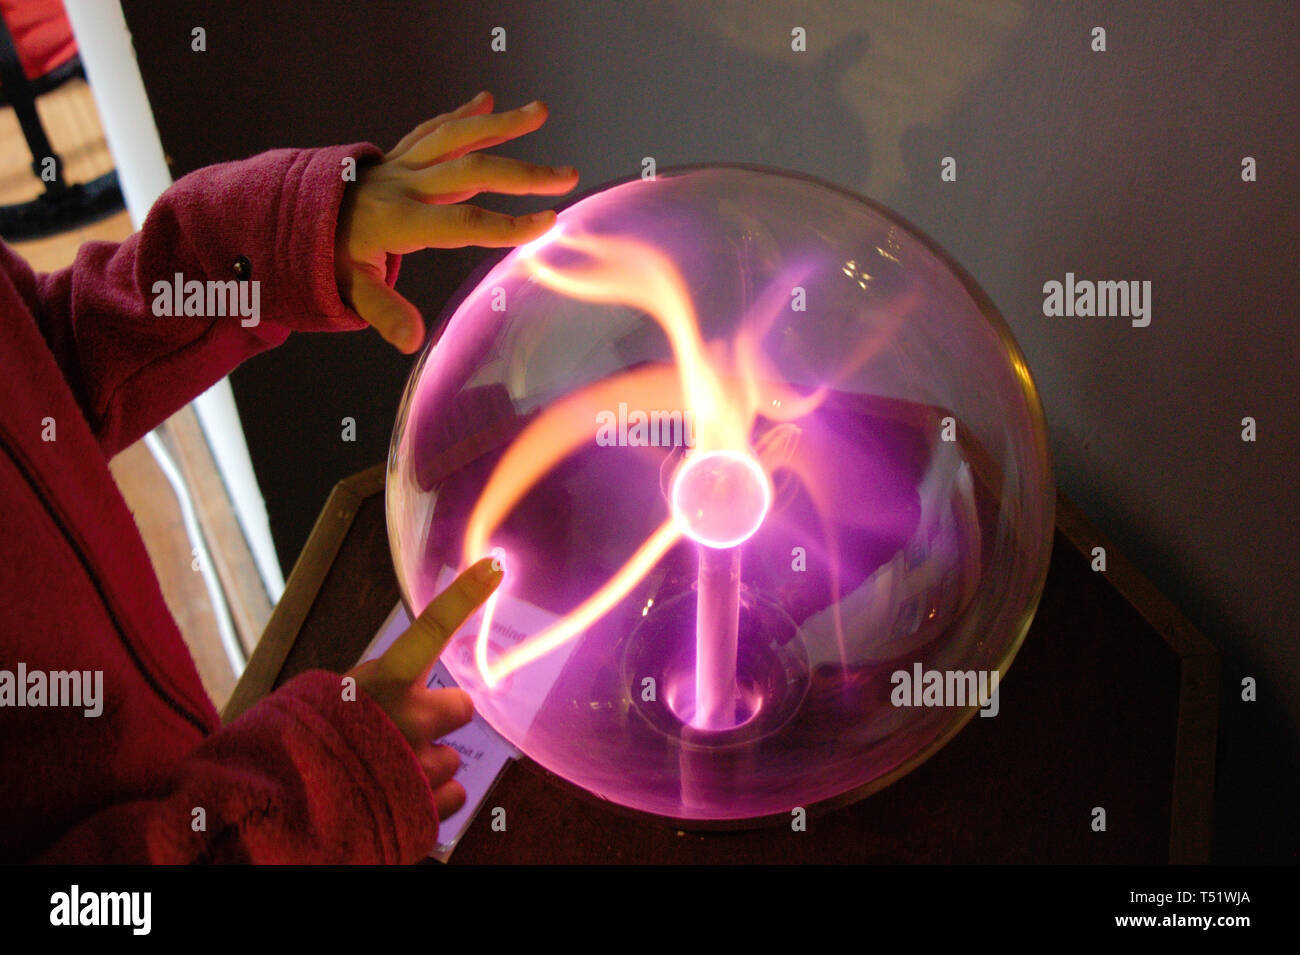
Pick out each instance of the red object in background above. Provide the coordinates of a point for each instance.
(41, 33)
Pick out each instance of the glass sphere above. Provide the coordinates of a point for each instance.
(760, 461)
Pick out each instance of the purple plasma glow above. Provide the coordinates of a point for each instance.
(707, 624)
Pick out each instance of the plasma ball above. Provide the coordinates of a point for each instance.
(720, 498)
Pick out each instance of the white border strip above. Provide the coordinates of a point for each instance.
(106, 51)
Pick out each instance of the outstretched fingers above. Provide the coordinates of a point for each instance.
(456, 226)
(462, 178)
(482, 103)
(456, 137)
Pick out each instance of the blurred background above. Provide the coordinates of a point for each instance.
(1124, 165)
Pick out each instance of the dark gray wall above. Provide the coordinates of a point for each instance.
(1115, 165)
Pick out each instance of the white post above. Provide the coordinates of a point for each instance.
(109, 58)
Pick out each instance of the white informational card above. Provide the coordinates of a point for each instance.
(483, 753)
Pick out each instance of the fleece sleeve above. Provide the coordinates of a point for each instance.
(111, 319)
(309, 775)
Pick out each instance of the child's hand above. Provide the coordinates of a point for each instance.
(410, 201)
(397, 681)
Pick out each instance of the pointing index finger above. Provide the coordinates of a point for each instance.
(411, 654)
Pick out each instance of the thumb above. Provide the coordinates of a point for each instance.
(396, 319)
(413, 653)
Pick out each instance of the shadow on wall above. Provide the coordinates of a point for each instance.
(1126, 165)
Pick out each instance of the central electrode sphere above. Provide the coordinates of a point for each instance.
(720, 498)
(763, 459)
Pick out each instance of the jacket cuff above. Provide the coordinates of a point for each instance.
(391, 778)
(307, 228)
(270, 219)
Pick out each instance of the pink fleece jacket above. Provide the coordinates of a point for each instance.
(304, 776)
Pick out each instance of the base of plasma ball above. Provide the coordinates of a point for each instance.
(772, 672)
